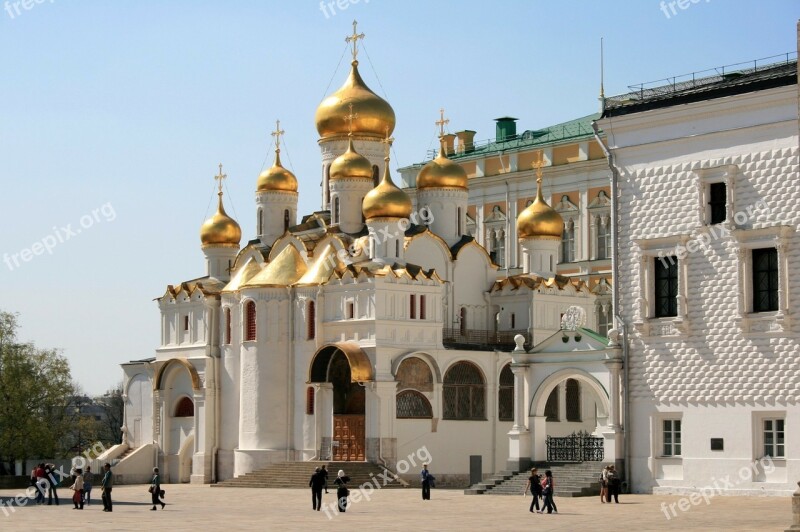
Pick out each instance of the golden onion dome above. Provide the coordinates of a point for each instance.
(386, 200)
(220, 229)
(539, 220)
(351, 164)
(442, 173)
(277, 177)
(373, 117)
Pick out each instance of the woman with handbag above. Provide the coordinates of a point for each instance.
(155, 490)
(341, 490)
(77, 489)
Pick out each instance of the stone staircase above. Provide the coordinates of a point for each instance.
(297, 475)
(572, 479)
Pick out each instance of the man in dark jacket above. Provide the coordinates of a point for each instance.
(316, 484)
(107, 483)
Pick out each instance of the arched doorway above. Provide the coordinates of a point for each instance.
(345, 368)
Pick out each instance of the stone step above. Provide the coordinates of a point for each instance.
(571, 479)
(297, 474)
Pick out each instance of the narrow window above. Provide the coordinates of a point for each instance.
(422, 307)
(463, 320)
(765, 280)
(573, 400)
(250, 320)
(311, 325)
(285, 220)
(351, 310)
(310, 401)
(397, 248)
(336, 210)
(412, 307)
(717, 196)
(568, 243)
(260, 222)
(458, 221)
(774, 438)
(603, 239)
(513, 321)
(551, 406)
(186, 323)
(672, 437)
(227, 326)
(505, 398)
(666, 286)
(375, 175)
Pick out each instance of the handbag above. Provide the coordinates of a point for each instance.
(150, 489)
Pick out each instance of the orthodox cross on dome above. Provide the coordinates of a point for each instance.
(349, 119)
(537, 165)
(219, 177)
(388, 141)
(442, 122)
(277, 134)
(354, 39)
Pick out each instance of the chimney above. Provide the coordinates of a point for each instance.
(466, 141)
(448, 141)
(506, 128)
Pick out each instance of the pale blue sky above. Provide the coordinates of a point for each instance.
(133, 104)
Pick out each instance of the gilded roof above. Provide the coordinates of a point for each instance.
(283, 270)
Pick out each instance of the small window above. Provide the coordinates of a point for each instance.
(505, 399)
(513, 321)
(375, 175)
(717, 201)
(286, 220)
(184, 408)
(413, 405)
(310, 401)
(458, 221)
(765, 280)
(568, 243)
(573, 400)
(672, 437)
(551, 406)
(351, 310)
(336, 210)
(227, 326)
(311, 316)
(463, 320)
(250, 321)
(605, 320)
(422, 307)
(603, 238)
(412, 307)
(397, 248)
(666, 286)
(260, 222)
(774, 446)
(186, 323)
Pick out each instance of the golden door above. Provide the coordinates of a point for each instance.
(348, 432)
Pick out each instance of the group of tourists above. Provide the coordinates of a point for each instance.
(542, 488)
(43, 479)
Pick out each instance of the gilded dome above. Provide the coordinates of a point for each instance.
(386, 200)
(540, 220)
(351, 164)
(442, 173)
(220, 229)
(374, 114)
(277, 177)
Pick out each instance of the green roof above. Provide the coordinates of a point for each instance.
(576, 129)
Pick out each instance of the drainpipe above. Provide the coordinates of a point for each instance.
(623, 331)
(290, 372)
(217, 361)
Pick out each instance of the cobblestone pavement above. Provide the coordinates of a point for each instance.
(194, 507)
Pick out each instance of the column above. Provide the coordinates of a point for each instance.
(614, 437)
(511, 234)
(519, 437)
(323, 419)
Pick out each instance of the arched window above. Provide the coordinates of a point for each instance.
(227, 326)
(463, 320)
(551, 406)
(336, 210)
(568, 242)
(412, 307)
(310, 401)
(286, 220)
(260, 222)
(414, 373)
(464, 393)
(375, 175)
(311, 326)
(422, 307)
(573, 400)
(184, 408)
(603, 237)
(326, 191)
(413, 405)
(250, 321)
(505, 399)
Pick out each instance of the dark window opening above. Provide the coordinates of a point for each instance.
(717, 199)
(765, 280)
(666, 286)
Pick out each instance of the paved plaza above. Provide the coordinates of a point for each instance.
(204, 508)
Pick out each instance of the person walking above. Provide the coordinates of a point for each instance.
(324, 472)
(604, 484)
(613, 482)
(535, 485)
(316, 483)
(548, 486)
(428, 481)
(105, 487)
(77, 489)
(52, 484)
(87, 484)
(155, 490)
(341, 490)
(40, 483)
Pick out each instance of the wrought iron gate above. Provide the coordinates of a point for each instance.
(577, 447)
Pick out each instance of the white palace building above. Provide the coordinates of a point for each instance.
(378, 325)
